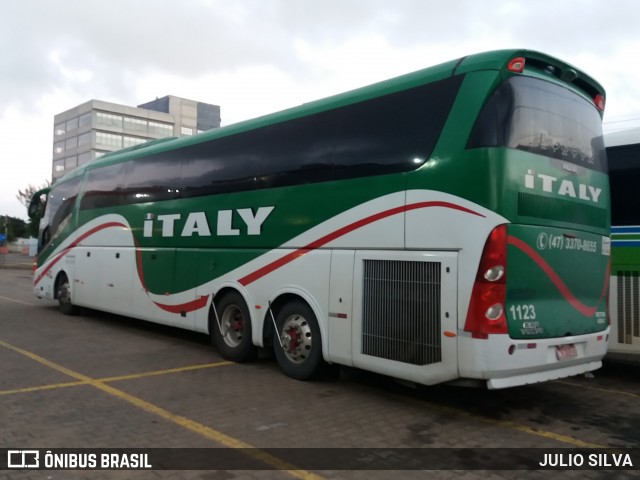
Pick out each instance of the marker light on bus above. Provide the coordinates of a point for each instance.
(599, 101)
(516, 65)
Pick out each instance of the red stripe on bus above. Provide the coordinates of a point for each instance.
(74, 244)
(557, 281)
(276, 264)
(184, 307)
(196, 304)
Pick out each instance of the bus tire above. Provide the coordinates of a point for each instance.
(63, 294)
(298, 344)
(234, 342)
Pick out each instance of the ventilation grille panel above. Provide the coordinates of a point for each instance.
(401, 311)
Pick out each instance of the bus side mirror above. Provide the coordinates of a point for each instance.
(33, 208)
(37, 204)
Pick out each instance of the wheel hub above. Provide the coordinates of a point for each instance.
(296, 338)
(232, 323)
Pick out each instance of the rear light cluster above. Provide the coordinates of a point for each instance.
(486, 313)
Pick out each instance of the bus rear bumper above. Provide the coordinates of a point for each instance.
(503, 362)
(528, 378)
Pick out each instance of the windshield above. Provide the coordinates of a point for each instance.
(544, 118)
(59, 207)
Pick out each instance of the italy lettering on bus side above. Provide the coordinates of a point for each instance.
(197, 223)
(550, 184)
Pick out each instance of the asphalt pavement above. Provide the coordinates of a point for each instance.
(16, 261)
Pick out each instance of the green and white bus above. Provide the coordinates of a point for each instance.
(449, 224)
(623, 154)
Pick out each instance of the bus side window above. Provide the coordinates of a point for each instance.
(393, 133)
(152, 179)
(299, 151)
(103, 187)
(228, 164)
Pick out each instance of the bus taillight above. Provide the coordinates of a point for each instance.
(486, 313)
(516, 65)
(599, 101)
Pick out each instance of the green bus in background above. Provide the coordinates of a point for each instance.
(451, 224)
(623, 154)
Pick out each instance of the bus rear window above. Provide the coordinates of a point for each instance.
(544, 118)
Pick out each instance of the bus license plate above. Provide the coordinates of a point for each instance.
(566, 351)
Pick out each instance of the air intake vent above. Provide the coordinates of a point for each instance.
(628, 307)
(401, 311)
(539, 206)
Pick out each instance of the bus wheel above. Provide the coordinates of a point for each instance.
(63, 294)
(231, 328)
(299, 347)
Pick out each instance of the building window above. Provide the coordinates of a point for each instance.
(109, 140)
(108, 120)
(135, 124)
(70, 163)
(132, 141)
(71, 143)
(72, 124)
(85, 119)
(186, 131)
(160, 128)
(60, 128)
(84, 139)
(58, 166)
(58, 147)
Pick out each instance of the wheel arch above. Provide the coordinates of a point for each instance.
(57, 281)
(225, 289)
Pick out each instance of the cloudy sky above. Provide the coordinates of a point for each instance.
(254, 57)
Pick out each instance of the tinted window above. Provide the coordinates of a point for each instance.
(299, 151)
(224, 165)
(104, 187)
(393, 133)
(152, 179)
(544, 118)
(624, 170)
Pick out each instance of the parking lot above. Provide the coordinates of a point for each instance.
(101, 381)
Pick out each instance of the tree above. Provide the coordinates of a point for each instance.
(13, 228)
(24, 196)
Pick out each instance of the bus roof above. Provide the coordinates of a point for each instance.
(493, 60)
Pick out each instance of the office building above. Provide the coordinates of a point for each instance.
(94, 128)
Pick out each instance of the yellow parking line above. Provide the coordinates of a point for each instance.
(41, 387)
(184, 422)
(163, 372)
(117, 378)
